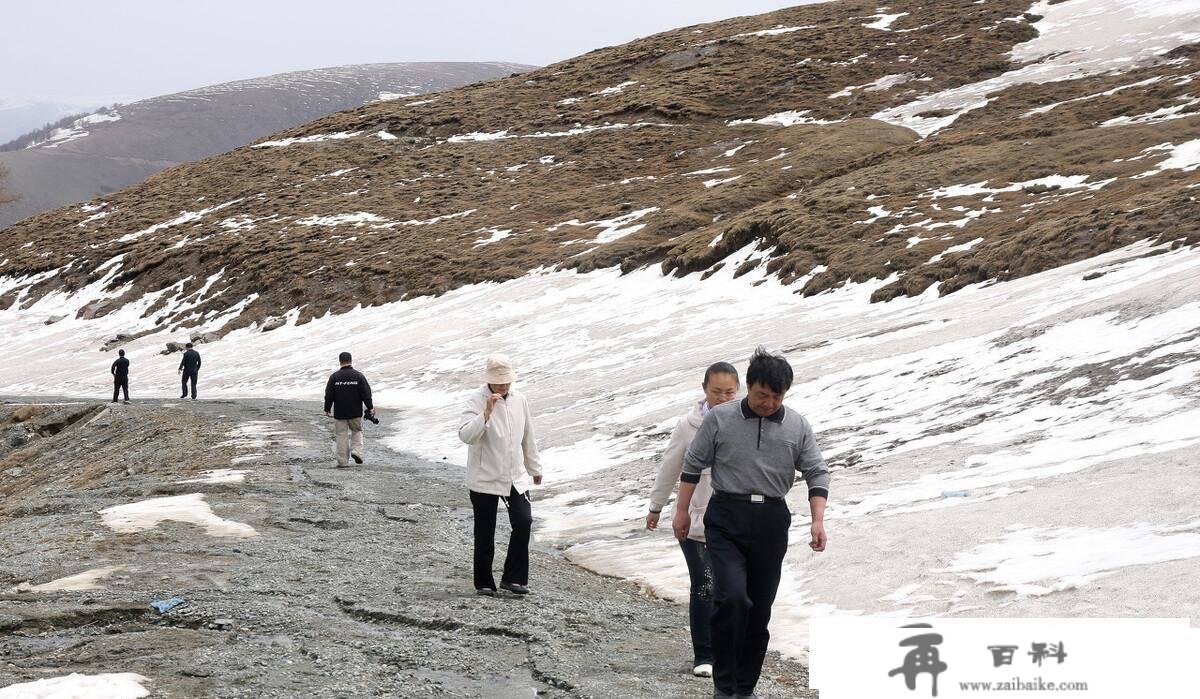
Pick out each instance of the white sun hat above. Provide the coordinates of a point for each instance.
(499, 370)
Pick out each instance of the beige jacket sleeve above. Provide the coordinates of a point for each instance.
(533, 463)
(672, 466)
(471, 427)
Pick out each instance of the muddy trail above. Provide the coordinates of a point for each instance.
(300, 579)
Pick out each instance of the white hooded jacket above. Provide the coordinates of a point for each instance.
(501, 452)
(672, 466)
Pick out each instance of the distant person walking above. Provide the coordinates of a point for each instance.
(497, 426)
(120, 373)
(346, 392)
(189, 369)
(720, 386)
(754, 448)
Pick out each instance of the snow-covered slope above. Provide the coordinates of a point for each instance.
(1023, 446)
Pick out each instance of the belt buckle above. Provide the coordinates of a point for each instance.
(757, 498)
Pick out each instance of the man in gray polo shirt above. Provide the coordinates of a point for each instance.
(754, 447)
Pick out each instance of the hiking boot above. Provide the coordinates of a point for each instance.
(702, 670)
(357, 459)
(515, 588)
(485, 592)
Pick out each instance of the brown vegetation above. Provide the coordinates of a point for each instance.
(415, 205)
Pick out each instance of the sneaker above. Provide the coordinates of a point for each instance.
(702, 670)
(357, 459)
(126, 400)
(514, 588)
(485, 592)
(343, 466)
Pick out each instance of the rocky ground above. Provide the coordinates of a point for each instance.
(350, 583)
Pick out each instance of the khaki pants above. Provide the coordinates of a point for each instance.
(349, 436)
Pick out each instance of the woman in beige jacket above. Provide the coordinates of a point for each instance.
(502, 458)
(720, 385)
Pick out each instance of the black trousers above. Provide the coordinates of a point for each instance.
(516, 561)
(700, 602)
(746, 544)
(189, 376)
(120, 383)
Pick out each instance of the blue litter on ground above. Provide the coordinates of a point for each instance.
(165, 605)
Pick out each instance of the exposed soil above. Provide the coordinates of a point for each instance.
(357, 584)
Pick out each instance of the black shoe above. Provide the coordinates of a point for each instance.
(485, 592)
(183, 396)
(514, 588)
(357, 458)
(126, 400)
(193, 397)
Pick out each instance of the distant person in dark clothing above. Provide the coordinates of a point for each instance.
(189, 369)
(346, 392)
(120, 372)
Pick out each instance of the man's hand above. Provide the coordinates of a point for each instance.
(491, 403)
(180, 370)
(652, 520)
(329, 413)
(818, 537)
(682, 523)
(537, 480)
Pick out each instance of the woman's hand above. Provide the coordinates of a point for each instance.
(652, 521)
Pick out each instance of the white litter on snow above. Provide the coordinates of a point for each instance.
(221, 475)
(190, 509)
(124, 685)
(1074, 40)
(80, 582)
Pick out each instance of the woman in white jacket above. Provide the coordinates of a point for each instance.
(720, 385)
(502, 457)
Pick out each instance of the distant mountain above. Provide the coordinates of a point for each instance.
(17, 118)
(107, 151)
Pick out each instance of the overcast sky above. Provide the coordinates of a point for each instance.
(72, 50)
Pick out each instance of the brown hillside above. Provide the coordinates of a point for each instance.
(627, 156)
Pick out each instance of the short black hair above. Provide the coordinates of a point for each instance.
(770, 370)
(188, 345)
(121, 353)
(720, 368)
(344, 357)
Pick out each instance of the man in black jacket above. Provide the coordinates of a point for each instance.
(346, 392)
(189, 369)
(120, 372)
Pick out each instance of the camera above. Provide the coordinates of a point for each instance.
(370, 415)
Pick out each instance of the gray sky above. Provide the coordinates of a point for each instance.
(71, 50)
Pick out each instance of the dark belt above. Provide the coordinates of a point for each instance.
(744, 497)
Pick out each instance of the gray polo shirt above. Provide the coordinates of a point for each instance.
(752, 455)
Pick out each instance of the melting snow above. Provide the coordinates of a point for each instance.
(192, 509)
(317, 138)
(125, 685)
